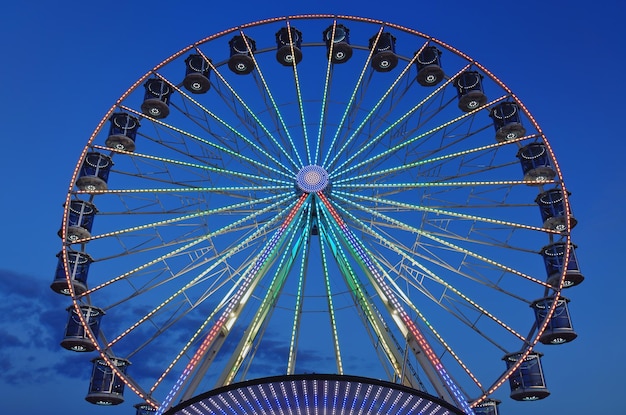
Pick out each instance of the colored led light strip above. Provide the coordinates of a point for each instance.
(250, 142)
(212, 144)
(222, 258)
(189, 245)
(221, 189)
(408, 166)
(405, 143)
(406, 319)
(248, 109)
(221, 321)
(448, 244)
(421, 208)
(351, 101)
(294, 66)
(295, 329)
(360, 296)
(414, 185)
(331, 309)
(225, 209)
(435, 278)
(274, 289)
(325, 95)
(376, 139)
(370, 114)
(226, 172)
(285, 128)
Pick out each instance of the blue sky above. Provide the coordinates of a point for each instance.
(65, 65)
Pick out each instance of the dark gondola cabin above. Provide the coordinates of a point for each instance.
(122, 132)
(536, 165)
(76, 338)
(106, 386)
(527, 382)
(552, 207)
(469, 87)
(554, 261)
(337, 39)
(79, 221)
(197, 71)
(156, 99)
(77, 267)
(288, 44)
(507, 121)
(241, 49)
(94, 172)
(383, 48)
(559, 328)
(487, 407)
(428, 62)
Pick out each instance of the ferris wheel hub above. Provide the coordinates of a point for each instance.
(312, 179)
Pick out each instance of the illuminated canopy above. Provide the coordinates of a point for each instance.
(314, 394)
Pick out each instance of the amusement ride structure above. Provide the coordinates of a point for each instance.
(317, 215)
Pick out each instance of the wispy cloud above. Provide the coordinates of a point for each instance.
(31, 327)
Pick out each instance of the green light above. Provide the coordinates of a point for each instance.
(228, 126)
(275, 106)
(419, 208)
(203, 238)
(217, 146)
(457, 248)
(350, 103)
(373, 110)
(254, 116)
(405, 143)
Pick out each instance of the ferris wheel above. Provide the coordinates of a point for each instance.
(317, 211)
